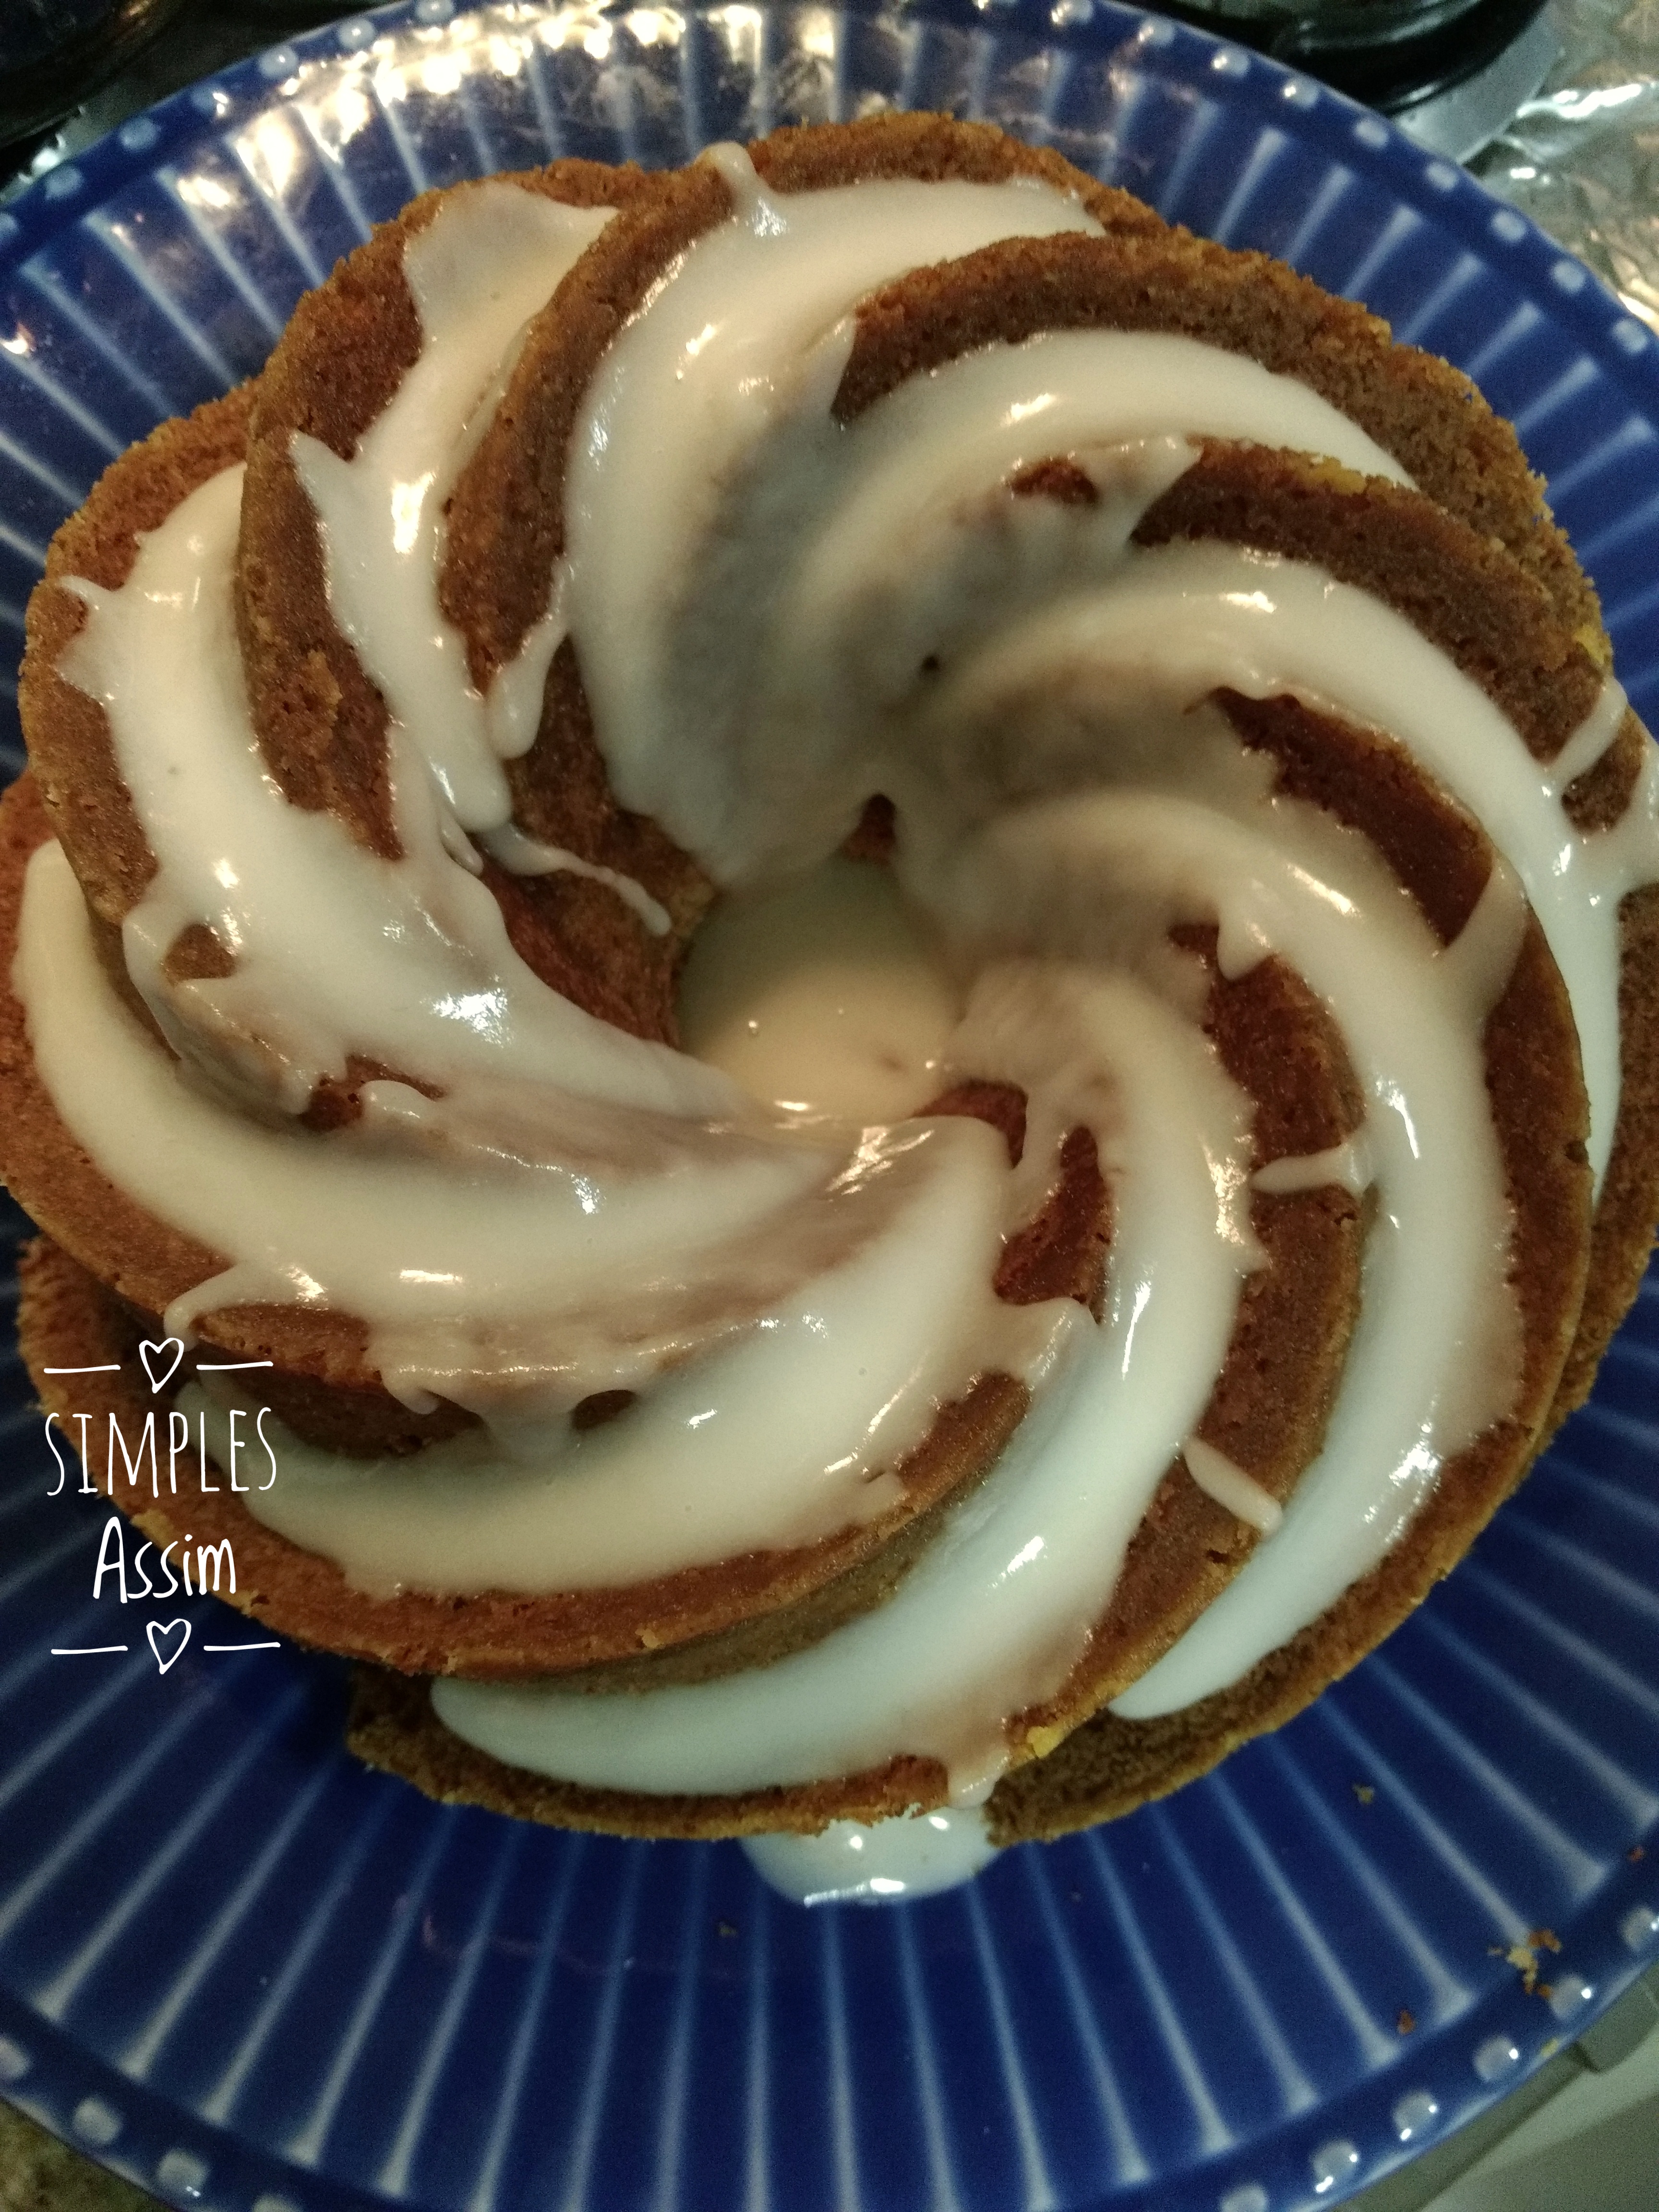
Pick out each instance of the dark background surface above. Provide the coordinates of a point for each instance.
(71, 70)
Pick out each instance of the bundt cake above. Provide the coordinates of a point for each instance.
(1117, 774)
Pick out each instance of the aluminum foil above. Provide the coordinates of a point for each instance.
(1581, 158)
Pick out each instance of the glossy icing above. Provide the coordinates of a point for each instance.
(478, 271)
(776, 614)
(851, 1863)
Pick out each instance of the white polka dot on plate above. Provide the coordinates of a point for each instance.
(1495, 2057)
(1509, 226)
(94, 2121)
(1414, 2115)
(1251, 2198)
(182, 2171)
(1332, 2162)
(1371, 130)
(1567, 1993)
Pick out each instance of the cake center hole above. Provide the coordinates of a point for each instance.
(824, 997)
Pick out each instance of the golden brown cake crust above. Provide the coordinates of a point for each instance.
(506, 528)
(70, 750)
(347, 347)
(1461, 589)
(1496, 620)
(145, 1262)
(321, 721)
(1417, 408)
(365, 320)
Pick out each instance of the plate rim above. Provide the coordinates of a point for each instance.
(200, 112)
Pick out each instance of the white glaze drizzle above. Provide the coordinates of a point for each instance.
(839, 562)
(432, 984)
(1441, 1234)
(759, 1443)
(529, 856)
(1222, 615)
(466, 1245)
(478, 271)
(1587, 743)
(1387, 1438)
(961, 576)
(1220, 1478)
(1348, 1165)
(851, 1863)
(1026, 1559)
(750, 324)
(1606, 866)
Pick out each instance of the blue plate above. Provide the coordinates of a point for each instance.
(253, 1976)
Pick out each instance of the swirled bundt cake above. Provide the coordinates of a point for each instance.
(1115, 772)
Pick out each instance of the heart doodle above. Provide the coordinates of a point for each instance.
(161, 1632)
(155, 1357)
